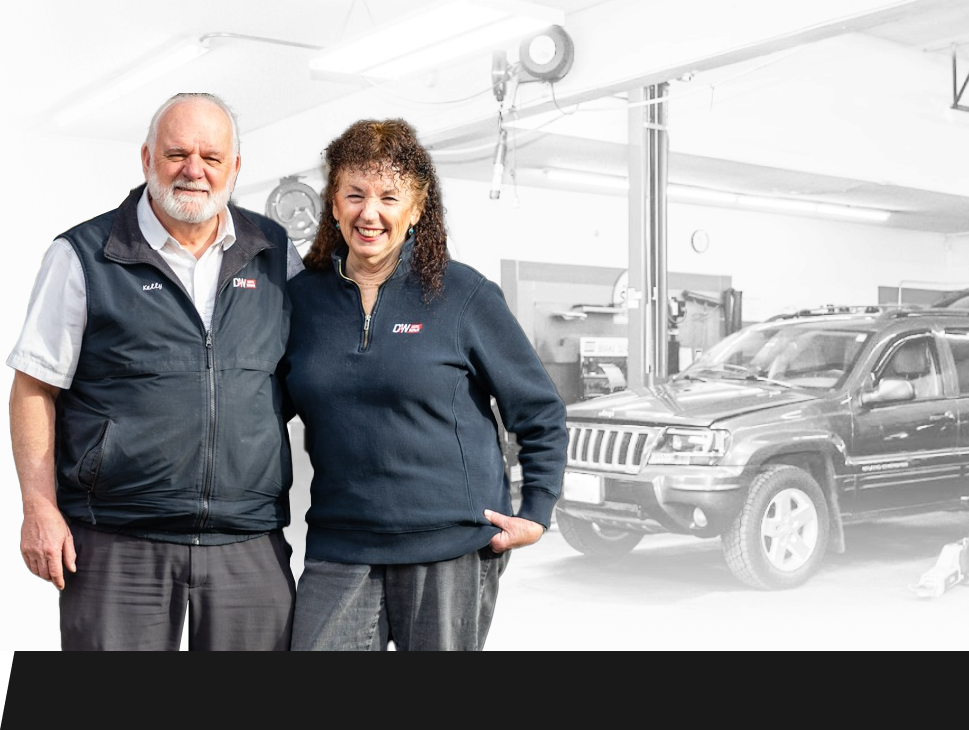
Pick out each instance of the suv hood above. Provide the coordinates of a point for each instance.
(687, 402)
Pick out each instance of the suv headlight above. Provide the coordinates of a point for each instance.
(690, 446)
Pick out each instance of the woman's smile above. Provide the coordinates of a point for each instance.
(376, 210)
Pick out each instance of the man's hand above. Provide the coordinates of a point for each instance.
(45, 539)
(47, 545)
(515, 532)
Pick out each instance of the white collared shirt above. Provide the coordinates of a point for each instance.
(200, 277)
(50, 340)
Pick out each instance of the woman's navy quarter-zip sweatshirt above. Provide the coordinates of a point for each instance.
(397, 413)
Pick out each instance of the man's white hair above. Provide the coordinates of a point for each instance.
(179, 98)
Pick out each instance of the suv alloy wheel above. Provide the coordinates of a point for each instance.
(780, 536)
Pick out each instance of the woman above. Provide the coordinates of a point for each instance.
(395, 352)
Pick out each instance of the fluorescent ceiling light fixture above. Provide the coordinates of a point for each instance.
(828, 209)
(688, 193)
(169, 59)
(432, 36)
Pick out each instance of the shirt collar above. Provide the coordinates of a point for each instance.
(156, 235)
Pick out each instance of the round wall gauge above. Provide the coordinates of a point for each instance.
(296, 207)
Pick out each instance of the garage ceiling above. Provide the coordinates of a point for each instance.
(57, 51)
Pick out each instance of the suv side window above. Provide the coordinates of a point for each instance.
(914, 359)
(959, 346)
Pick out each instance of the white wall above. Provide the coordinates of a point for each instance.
(48, 185)
(778, 262)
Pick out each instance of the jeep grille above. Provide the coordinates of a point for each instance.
(609, 448)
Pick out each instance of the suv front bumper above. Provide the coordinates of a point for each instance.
(659, 499)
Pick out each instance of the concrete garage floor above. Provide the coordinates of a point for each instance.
(676, 593)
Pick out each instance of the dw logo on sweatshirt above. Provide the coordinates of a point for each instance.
(408, 329)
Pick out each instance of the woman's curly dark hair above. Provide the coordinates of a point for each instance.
(373, 145)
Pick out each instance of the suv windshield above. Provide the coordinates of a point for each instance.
(803, 355)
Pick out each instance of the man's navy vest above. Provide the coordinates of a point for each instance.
(168, 431)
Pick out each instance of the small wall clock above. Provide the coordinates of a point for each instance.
(700, 241)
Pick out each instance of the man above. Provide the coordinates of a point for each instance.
(145, 412)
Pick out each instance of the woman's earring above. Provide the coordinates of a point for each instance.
(338, 225)
(411, 231)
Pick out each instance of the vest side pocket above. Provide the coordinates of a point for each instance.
(90, 464)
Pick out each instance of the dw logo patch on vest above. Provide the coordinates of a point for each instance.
(240, 283)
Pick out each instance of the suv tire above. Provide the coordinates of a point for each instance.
(780, 536)
(591, 539)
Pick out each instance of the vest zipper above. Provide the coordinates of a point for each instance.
(209, 476)
(210, 441)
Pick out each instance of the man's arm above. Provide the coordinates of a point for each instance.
(45, 539)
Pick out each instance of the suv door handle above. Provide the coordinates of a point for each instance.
(947, 416)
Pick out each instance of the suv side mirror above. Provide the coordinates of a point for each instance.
(890, 390)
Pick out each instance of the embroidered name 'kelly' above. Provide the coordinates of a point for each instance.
(150, 287)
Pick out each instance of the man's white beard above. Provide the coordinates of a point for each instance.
(188, 209)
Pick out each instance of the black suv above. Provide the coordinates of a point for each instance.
(776, 438)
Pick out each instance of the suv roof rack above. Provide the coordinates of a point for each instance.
(836, 309)
(915, 311)
(882, 311)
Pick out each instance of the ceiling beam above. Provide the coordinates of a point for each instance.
(619, 45)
